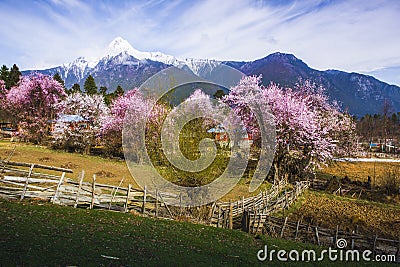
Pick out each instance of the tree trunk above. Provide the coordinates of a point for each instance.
(276, 175)
(87, 149)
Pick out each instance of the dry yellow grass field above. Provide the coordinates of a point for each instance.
(360, 171)
(329, 210)
(108, 171)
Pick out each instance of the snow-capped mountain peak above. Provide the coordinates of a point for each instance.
(78, 67)
(120, 45)
(120, 51)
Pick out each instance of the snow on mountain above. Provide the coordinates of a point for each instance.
(126, 66)
(120, 45)
(121, 52)
(78, 68)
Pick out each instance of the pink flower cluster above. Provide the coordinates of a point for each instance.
(34, 102)
(306, 123)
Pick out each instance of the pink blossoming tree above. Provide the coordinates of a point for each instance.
(3, 95)
(91, 108)
(307, 125)
(139, 107)
(34, 101)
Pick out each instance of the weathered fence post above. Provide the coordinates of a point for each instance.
(144, 199)
(93, 189)
(317, 236)
(297, 229)
(308, 232)
(115, 193)
(335, 238)
(219, 216)
(58, 188)
(283, 226)
(156, 203)
(352, 240)
(79, 188)
(127, 198)
(230, 215)
(27, 181)
(211, 213)
(245, 222)
(259, 222)
(166, 206)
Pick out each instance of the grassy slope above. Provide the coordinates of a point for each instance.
(38, 234)
(79, 237)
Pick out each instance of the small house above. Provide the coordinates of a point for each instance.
(221, 136)
(73, 122)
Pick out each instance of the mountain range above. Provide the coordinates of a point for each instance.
(123, 65)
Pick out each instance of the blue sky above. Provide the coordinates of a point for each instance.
(361, 36)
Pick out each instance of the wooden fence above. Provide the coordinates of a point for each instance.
(251, 214)
(296, 230)
(17, 183)
(227, 214)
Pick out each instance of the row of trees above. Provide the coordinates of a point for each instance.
(379, 127)
(309, 129)
(37, 100)
(90, 88)
(11, 77)
(31, 102)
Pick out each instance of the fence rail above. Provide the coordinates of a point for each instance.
(18, 184)
(225, 214)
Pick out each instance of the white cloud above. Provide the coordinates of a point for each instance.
(347, 35)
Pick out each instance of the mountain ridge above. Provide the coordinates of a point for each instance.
(124, 65)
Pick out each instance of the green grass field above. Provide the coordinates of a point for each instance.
(41, 234)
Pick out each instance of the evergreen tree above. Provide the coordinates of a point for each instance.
(76, 88)
(119, 91)
(103, 90)
(90, 86)
(107, 97)
(13, 77)
(58, 78)
(219, 94)
(4, 73)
